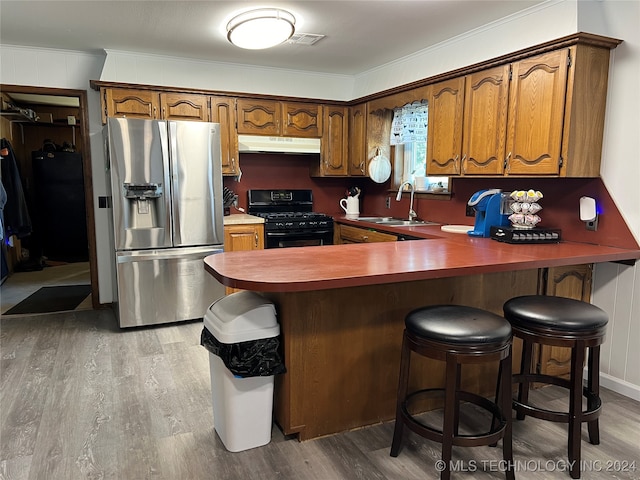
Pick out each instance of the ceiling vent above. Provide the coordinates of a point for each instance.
(305, 39)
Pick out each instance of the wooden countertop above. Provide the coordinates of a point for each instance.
(440, 255)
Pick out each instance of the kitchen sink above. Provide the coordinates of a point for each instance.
(392, 221)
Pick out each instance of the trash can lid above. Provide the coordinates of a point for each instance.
(241, 317)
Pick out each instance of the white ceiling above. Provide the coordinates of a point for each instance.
(360, 35)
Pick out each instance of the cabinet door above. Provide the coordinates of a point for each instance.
(335, 141)
(301, 120)
(572, 281)
(444, 138)
(358, 140)
(181, 106)
(536, 113)
(131, 103)
(223, 111)
(485, 121)
(261, 117)
(350, 234)
(241, 238)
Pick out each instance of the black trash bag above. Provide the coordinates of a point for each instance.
(254, 358)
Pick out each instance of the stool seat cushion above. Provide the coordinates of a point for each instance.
(554, 313)
(458, 324)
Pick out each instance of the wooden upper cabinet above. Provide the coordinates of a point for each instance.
(485, 121)
(261, 117)
(301, 120)
(271, 117)
(358, 140)
(120, 102)
(536, 113)
(444, 137)
(181, 106)
(539, 116)
(223, 111)
(334, 146)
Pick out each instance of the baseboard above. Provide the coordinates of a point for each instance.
(620, 386)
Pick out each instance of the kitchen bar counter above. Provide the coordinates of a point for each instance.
(440, 255)
(341, 311)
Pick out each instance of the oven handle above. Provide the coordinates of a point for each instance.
(292, 234)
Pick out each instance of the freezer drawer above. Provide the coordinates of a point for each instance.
(162, 286)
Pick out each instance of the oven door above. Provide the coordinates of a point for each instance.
(298, 239)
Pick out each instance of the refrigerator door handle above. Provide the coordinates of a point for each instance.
(167, 254)
(175, 181)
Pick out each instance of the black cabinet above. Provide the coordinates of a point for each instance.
(59, 214)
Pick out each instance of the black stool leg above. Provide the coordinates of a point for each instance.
(505, 401)
(498, 398)
(403, 386)
(451, 409)
(575, 408)
(525, 368)
(593, 386)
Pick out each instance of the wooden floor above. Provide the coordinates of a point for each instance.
(81, 399)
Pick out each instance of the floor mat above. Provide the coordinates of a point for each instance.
(52, 299)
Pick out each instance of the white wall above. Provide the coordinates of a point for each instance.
(128, 67)
(616, 287)
(544, 22)
(73, 70)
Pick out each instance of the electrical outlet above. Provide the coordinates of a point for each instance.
(470, 212)
(388, 202)
(592, 225)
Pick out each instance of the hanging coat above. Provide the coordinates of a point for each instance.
(16, 214)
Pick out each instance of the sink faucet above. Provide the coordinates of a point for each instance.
(412, 213)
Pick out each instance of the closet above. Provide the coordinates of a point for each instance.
(44, 135)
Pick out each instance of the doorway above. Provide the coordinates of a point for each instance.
(53, 121)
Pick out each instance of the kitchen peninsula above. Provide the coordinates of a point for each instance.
(341, 309)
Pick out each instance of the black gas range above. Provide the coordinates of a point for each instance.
(289, 219)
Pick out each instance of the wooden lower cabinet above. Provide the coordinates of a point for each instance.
(572, 281)
(242, 237)
(348, 234)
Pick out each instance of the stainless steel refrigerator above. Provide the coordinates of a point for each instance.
(166, 188)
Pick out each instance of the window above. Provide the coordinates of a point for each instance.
(409, 137)
(414, 168)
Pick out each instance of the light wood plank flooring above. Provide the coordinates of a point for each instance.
(82, 399)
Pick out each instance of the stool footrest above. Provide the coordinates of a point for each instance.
(488, 438)
(552, 415)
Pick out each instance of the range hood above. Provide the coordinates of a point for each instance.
(264, 144)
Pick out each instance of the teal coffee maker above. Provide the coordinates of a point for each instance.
(491, 208)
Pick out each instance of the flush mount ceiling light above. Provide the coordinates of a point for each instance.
(261, 28)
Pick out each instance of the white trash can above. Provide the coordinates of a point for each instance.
(242, 407)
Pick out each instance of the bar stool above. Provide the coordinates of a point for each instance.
(456, 335)
(561, 322)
